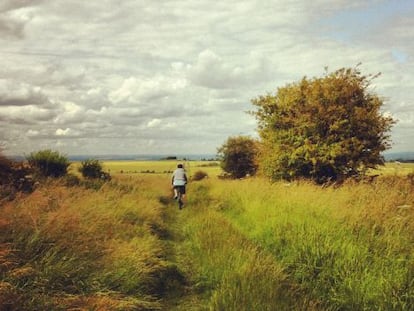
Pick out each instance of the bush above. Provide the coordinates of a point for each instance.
(49, 163)
(14, 177)
(91, 168)
(5, 167)
(199, 175)
(238, 156)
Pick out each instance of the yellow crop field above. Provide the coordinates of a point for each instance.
(212, 168)
(395, 168)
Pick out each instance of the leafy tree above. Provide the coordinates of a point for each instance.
(326, 128)
(238, 156)
(49, 163)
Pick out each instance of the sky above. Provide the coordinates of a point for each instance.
(178, 76)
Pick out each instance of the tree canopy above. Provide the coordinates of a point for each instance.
(238, 156)
(325, 128)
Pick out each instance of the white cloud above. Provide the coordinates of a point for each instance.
(70, 112)
(11, 28)
(68, 133)
(14, 93)
(154, 123)
(11, 5)
(32, 133)
(124, 92)
(212, 71)
(141, 91)
(60, 132)
(27, 114)
(14, 15)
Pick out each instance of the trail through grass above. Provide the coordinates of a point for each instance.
(251, 245)
(224, 269)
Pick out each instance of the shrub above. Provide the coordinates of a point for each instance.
(91, 168)
(5, 170)
(199, 175)
(5, 167)
(238, 156)
(49, 163)
(14, 177)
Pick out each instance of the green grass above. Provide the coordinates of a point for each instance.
(350, 248)
(226, 270)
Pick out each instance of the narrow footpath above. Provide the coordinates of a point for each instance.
(217, 267)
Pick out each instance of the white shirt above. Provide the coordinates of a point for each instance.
(179, 178)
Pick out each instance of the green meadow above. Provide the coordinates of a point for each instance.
(237, 245)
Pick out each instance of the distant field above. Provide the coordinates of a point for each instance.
(212, 168)
(157, 167)
(392, 168)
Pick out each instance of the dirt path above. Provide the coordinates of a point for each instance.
(182, 293)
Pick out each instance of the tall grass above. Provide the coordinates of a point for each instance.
(237, 245)
(64, 248)
(350, 248)
(228, 271)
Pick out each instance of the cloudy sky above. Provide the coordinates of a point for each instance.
(177, 76)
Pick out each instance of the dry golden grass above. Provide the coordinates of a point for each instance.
(106, 302)
(92, 247)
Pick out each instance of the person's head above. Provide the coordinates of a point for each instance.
(180, 165)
